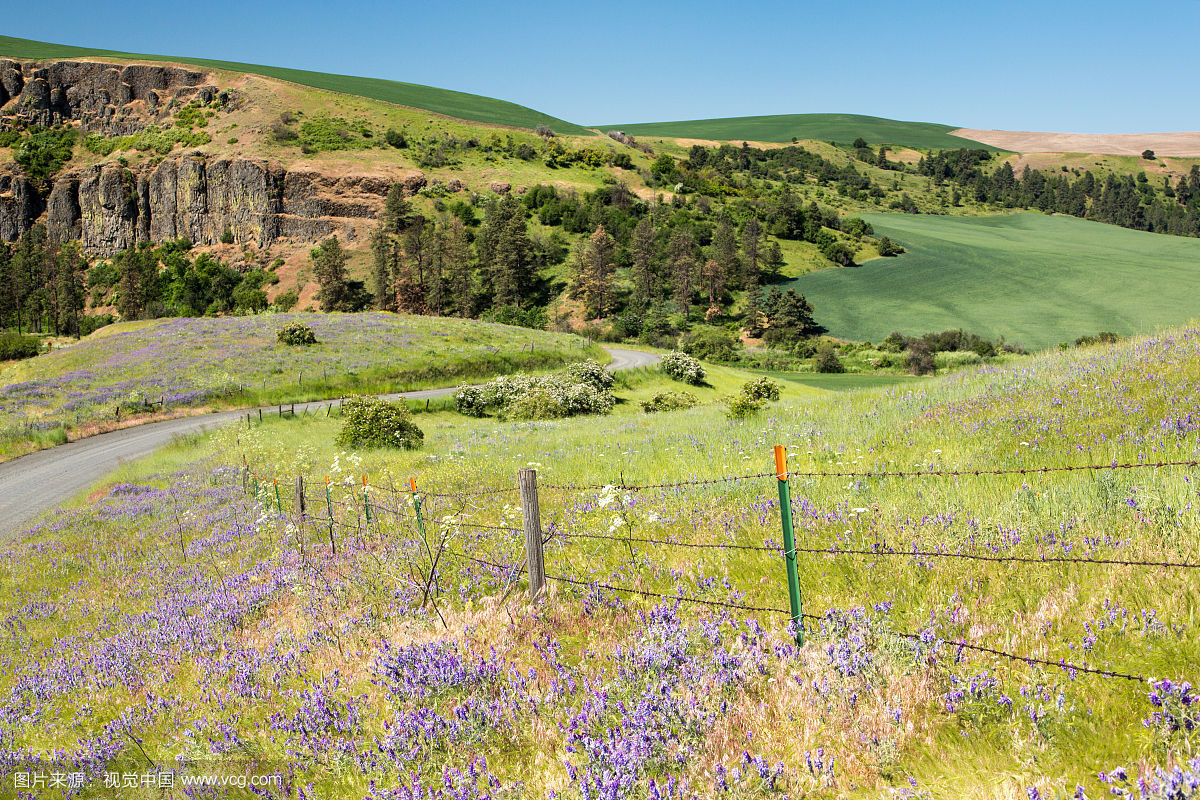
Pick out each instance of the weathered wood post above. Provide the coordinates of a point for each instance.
(527, 479)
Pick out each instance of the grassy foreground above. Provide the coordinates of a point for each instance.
(843, 128)
(175, 621)
(460, 105)
(228, 362)
(1034, 279)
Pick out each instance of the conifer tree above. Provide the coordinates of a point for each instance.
(329, 265)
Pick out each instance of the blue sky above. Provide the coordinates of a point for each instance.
(1100, 67)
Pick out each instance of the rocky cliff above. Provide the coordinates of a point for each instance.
(194, 195)
(109, 207)
(104, 98)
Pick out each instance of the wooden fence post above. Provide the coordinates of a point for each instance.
(527, 479)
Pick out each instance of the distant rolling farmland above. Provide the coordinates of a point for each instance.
(1035, 279)
(843, 128)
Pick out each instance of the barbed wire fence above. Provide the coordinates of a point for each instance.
(314, 504)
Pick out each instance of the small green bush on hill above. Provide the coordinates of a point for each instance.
(297, 333)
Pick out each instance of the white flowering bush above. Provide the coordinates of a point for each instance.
(535, 397)
(682, 367)
(761, 389)
(591, 373)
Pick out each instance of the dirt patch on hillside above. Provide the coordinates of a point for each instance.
(718, 143)
(1120, 144)
(1169, 167)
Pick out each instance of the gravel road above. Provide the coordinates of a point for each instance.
(34, 484)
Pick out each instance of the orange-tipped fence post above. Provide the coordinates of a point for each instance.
(278, 499)
(366, 501)
(329, 507)
(789, 541)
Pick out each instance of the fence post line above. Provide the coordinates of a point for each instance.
(278, 499)
(527, 480)
(329, 506)
(789, 541)
(260, 415)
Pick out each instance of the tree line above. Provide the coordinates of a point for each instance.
(46, 287)
(1125, 200)
(636, 263)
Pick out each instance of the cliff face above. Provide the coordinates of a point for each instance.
(104, 98)
(109, 207)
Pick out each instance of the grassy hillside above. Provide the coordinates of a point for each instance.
(365, 671)
(237, 361)
(826, 127)
(441, 101)
(1034, 279)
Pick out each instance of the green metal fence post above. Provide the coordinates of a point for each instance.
(416, 498)
(789, 541)
(366, 501)
(278, 499)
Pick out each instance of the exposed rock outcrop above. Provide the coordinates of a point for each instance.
(109, 207)
(104, 98)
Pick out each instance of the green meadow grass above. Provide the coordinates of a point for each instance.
(237, 362)
(460, 105)
(888, 725)
(1034, 279)
(841, 128)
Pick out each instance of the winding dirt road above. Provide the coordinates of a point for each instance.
(34, 484)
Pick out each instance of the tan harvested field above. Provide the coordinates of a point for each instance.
(1186, 143)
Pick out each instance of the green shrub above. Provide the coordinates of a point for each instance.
(919, 359)
(710, 344)
(14, 346)
(761, 389)
(669, 401)
(740, 406)
(286, 301)
(43, 152)
(297, 333)
(825, 359)
(682, 367)
(374, 422)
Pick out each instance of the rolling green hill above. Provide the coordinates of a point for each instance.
(1034, 279)
(461, 105)
(827, 127)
